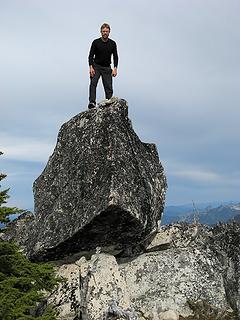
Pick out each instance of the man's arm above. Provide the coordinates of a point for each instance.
(91, 54)
(90, 59)
(115, 59)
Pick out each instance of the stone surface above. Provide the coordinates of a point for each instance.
(199, 264)
(102, 186)
(168, 315)
(67, 297)
(17, 229)
(91, 288)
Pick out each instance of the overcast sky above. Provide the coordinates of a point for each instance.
(179, 70)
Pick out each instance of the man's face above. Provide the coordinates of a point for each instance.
(105, 33)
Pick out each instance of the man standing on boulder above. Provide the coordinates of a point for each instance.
(99, 60)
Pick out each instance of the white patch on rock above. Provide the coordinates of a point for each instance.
(90, 287)
(82, 122)
(67, 297)
(105, 102)
(106, 284)
(168, 315)
(163, 237)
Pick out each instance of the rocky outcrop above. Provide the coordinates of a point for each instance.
(17, 229)
(199, 263)
(98, 203)
(102, 186)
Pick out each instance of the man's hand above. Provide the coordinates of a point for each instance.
(114, 72)
(91, 71)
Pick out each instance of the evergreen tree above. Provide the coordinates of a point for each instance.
(23, 284)
(5, 211)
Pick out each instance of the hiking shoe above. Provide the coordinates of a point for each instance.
(91, 105)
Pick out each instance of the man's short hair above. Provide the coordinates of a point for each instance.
(105, 25)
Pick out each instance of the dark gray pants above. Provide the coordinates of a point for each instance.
(106, 74)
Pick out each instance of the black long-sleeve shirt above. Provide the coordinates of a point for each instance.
(101, 53)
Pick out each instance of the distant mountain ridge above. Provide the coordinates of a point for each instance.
(208, 213)
(205, 213)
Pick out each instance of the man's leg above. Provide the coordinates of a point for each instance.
(107, 81)
(93, 85)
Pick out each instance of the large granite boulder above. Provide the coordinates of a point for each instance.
(102, 186)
